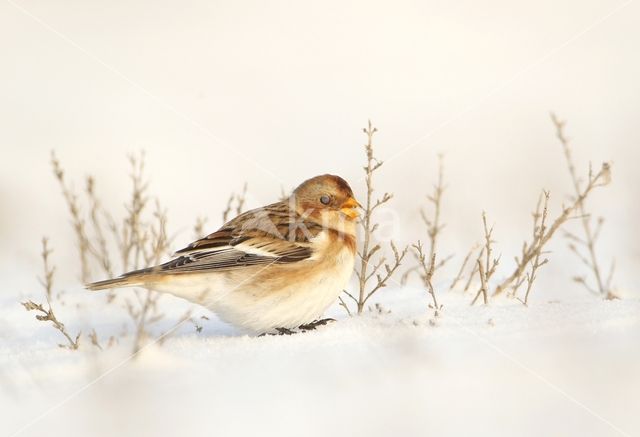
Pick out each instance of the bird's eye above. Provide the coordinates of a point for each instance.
(325, 200)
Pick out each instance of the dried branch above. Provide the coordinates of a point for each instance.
(540, 227)
(432, 222)
(140, 241)
(198, 227)
(93, 336)
(140, 238)
(47, 314)
(158, 245)
(530, 250)
(368, 268)
(133, 236)
(460, 273)
(487, 270)
(78, 223)
(99, 251)
(474, 270)
(427, 275)
(483, 284)
(239, 201)
(590, 235)
(381, 280)
(344, 305)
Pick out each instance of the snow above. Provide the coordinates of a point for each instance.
(565, 366)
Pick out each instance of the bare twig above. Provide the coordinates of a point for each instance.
(344, 305)
(239, 201)
(474, 270)
(78, 223)
(427, 275)
(540, 227)
(198, 227)
(370, 269)
(158, 246)
(590, 235)
(93, 336)
(133, 235)
(100, 252)
(487, 270)
(460, 273)
(47, 314)
(483, 284)
(432, 222)
(530, 250)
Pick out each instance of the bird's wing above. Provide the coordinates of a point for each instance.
(269, 235)
(277, 220)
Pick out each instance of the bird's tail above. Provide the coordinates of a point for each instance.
(122, 281)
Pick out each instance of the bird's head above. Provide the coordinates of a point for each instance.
(328, 200)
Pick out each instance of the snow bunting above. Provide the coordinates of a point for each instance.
(278, 267)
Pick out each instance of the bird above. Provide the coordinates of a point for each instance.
(272, 269)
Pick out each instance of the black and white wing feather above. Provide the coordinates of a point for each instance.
(270, 235)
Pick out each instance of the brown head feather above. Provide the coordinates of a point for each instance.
(308, 194)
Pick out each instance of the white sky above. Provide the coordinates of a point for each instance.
(271, 93)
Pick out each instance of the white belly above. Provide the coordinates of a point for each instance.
(235, 300)
(293, 305)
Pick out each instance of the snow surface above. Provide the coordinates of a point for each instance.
(565, 367)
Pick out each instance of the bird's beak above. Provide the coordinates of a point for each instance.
(348, 208)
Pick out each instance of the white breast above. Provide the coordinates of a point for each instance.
(297, 303)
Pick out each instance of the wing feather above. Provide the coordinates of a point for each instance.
(270, 235)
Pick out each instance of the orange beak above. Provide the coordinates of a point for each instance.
(348, 208)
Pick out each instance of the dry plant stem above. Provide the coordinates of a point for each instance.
(539, 231)
(474, 270)
(93, 336)
(158, 246)
(517, 283)
(432, 222)
(133, 237)
(381, 279)
(100, 252)
(434, 227)
(483, 285)
(368, 269)
(94, 246)
(427, 274)
(590, 235)
(365, 255)
(47, 314)
(343, 304)
(530, 250)
(239, 200)
(407, 273)
(76, 218)
(458, 277)
(198, 227)
(140, 241)
(487, 270)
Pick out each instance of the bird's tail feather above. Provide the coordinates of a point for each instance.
(114, 283)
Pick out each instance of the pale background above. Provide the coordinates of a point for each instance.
(271, 93)
(219, 93)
